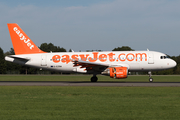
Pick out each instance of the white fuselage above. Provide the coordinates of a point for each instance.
(63, 61)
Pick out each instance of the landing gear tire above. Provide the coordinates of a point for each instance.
(150, 79)
(94, 79)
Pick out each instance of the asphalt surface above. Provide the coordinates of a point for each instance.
(85, 83)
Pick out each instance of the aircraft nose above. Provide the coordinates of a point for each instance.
(173, 63)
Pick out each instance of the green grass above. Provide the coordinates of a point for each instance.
(144, 78)
(126, 103)
(57, 102)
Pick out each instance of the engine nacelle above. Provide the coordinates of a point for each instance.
(116, 72)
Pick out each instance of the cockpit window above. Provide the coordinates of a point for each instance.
(164, 57)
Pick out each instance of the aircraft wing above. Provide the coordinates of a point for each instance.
(96, 66)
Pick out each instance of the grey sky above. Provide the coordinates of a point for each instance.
(96, 25)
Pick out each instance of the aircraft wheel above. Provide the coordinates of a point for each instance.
(150, 79)
(94, 79)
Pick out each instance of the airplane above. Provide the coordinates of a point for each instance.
(116, 64)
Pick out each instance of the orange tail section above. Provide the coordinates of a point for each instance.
(21, 42)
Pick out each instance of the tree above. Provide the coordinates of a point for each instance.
(123, 48)
(176, 70)
(93, 50)
(12, 68)
(11, 52)
(2, 62)
(51, 48)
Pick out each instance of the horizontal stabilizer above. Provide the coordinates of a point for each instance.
(25, 59)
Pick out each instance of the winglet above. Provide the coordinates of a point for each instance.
(21, 42)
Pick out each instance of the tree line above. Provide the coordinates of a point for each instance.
(12, 68)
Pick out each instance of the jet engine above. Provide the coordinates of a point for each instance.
(116, 72)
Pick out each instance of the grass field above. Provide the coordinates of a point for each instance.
(56, 102)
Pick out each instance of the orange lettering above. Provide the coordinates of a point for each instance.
(65, 59)
(74, 57)
(84, 58)
(111, 57)
(120, 57)
(94, 58)
(103, 57)
(56, 58)
(141, 56)
(128, 57)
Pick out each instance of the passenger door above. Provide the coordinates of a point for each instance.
(150, 58)
(43, 60)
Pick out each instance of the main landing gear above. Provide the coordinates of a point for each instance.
(150, 74)
(94, 78)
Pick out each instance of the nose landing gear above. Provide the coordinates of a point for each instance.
(150, 74)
